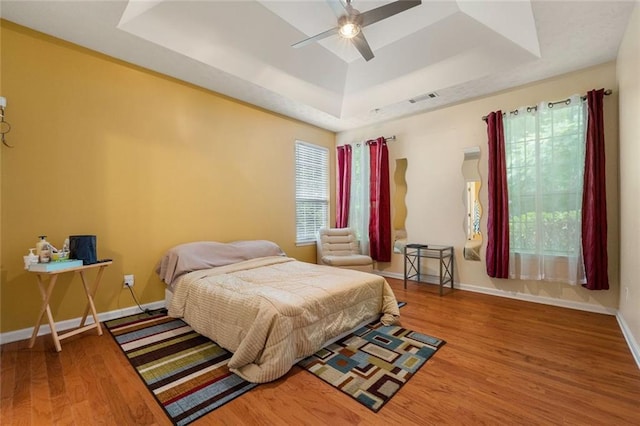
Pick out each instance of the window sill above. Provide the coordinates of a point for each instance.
(305, 243)
(546, 256)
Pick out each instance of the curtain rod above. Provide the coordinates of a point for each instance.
(550, 104)
(390, 138)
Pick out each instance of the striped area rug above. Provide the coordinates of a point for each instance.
(186, 372)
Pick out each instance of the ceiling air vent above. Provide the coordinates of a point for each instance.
(423, 97)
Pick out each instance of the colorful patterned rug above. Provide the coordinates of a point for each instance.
(373, 363)
(186, 372)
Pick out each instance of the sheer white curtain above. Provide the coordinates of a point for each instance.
(545, 151)
(359, 207)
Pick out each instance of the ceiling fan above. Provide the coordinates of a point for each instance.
(351, 22)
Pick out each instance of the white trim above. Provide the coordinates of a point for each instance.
(539, 299)
(631, 341)
(520, 296)
(25, 333)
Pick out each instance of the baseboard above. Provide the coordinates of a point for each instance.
(519, 296)
(631, 341)
(25, 333)
(539, 299)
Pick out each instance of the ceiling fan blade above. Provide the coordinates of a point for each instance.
(316, 37)
(379, 13)
(363, 46)
(338, 7)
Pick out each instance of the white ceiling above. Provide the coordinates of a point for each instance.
(242, 48)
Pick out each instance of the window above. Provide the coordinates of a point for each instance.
(312, 191)
(545, 165)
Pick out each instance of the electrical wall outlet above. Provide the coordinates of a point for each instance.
(626, 293)
(128, 281)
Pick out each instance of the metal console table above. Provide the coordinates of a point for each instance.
(413, 253)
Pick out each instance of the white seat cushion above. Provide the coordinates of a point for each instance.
(348, 260)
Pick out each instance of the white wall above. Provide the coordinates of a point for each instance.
(628, 70)
(433, 143)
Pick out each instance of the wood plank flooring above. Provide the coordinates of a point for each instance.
(505, 362)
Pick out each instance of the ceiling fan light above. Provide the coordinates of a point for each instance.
(349, 30)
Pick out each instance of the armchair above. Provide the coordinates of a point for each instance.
(339, 247)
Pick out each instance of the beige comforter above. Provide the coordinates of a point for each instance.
(272, 311)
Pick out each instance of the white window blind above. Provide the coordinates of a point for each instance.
(312, 191)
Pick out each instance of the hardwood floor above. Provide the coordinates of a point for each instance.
(505, 362)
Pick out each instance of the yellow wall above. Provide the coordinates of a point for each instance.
(628, 68)
(2, 148)
(142, 161)
(434, 144)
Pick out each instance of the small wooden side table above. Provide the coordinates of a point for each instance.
(46, 289)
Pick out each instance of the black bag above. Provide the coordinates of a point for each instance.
(83, 247)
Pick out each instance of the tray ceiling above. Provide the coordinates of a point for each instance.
(458, 49)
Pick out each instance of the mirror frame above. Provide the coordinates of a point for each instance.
(473, 208)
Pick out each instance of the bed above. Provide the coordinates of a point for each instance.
(268, 309)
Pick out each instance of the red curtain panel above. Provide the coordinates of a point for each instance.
(380, 208)
(498, 218)
(594, 197)
(343, 183)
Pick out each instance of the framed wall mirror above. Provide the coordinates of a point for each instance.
(473, 209)
(400, 206)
